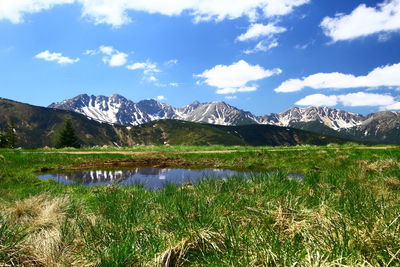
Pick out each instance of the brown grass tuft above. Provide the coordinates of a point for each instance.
(393, 183)
(43, 218)
(201, 241)
(378, 165)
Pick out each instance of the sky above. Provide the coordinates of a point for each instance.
(261, 56)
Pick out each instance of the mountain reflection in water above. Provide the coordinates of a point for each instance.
(150, 178)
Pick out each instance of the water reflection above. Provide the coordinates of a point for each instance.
(150, 178)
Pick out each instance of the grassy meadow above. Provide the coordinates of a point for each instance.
(344, 212)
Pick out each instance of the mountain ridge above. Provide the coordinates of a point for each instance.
(39, 126)
(383, 126)
(117, 109)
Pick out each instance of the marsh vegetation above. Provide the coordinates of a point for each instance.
(344, 212)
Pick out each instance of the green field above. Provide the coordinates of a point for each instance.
(344, 212)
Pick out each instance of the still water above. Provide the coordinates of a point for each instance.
(150, 178)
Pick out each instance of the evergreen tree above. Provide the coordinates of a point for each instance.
(67, 137)
(3, 141)
(10, 135)
(8, 139)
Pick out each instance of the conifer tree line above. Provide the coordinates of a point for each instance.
(8, 138)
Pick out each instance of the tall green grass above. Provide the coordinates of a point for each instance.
(344, 212)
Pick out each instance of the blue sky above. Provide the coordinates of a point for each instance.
(262, 56)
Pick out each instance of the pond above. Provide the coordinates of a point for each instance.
(150, 178)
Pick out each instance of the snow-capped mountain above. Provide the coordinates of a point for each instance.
(117, 109)
(216, 113)
(333, 118)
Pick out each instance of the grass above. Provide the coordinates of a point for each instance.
(345, 212)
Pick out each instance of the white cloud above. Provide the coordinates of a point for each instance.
(114, 12)
(161, 97)
(358, 99)
(282, 7)
(116, 60)
(395, 106)
(108, 50)
(255, 31)
(112, 56)
(148, 67)
(318, 100)
(304, 46)
(149, 70)
(90, 52)
(171, 62)
(14, 10)
(382, 76)
(151, 78)
(172, 84)
(232, 90)
(365, 99)
(57, 57)
(231, 97)
(235, 78)
(262, 46)
(363, 21)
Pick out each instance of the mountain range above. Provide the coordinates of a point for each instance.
(382, 127)
(39, 126)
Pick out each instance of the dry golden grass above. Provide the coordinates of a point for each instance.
(202, 241)
(43, 218)
(393, 183)
(378, 165)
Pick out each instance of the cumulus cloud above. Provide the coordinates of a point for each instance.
(114, 12)
(256, 31)
(231, 97)
(57, 57)
(363, 21)
(235, 78)
(112, 56)
(282, 7)
(318, 100)
(161, 97)
(262, 46)
(365, 99)
(381, 76)
(116, 60)
(15, 9)
(358, 99)
(149, 69)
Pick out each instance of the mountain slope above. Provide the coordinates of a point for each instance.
(175, 132)
(39, 127)
(381, 127)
